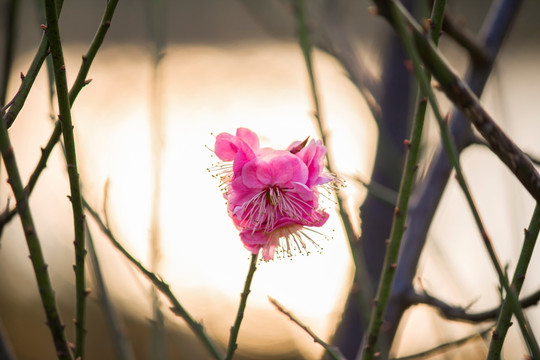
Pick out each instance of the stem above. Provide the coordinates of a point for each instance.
(400, 214)
(503, 323)
(46, 291)
(53, 34)
(161, 285)
(241, 307)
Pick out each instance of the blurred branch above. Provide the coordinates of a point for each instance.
(330, 34)
(11, 17)
(380, 191)
(332, 351)
(88, 58)
(299, 7)
(463, 97)
(492, 134)
(231, 347)
(6, 350)
(477, 51)
(121, 345)
(442, 348)
(157, 30)
(460, 314)
(427, 196)
(371, 342)
(503, 323)
(28, 80)
(161, 285)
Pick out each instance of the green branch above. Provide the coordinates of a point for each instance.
(231, 348)
(505, 315)
(53, 34)
(46, 291)
(398, 14)
(462, 96)
(161, 285)
(400, 214)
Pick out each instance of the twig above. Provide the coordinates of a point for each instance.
(53, 34)
(460, 314)
(122, 348)
(331, 350)
(428, 195)
(400, 213)
(231, 348)
(378, 190)
(30, 77)
(397, 12)
(6, 216)
(352, 237)
(503, 323)
(479, 54)
(46, 291)
(161, 285)
(462, 96)
(442, 348)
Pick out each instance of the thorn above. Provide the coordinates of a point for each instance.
(83, 57)
(373, 10)
(74, 267)
(29, 230)
(423, 100)
(408, 65)
(63, 68)
(397, 211)
(22, 76)
(446, 118)
(393, 266)
(87, 292)
(43, 27)
(427, 24)
(407, 143)
(87, 81)
(108, 23)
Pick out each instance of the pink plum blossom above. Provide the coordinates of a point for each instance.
(272, 195)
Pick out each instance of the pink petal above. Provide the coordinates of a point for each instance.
(226, 146)
(249, 137)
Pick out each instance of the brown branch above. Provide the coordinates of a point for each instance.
(460, 314)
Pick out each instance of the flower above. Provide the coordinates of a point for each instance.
(272, 195)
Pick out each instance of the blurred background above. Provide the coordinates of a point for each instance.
(223, 65)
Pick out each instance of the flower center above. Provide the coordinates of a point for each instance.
(272, 204)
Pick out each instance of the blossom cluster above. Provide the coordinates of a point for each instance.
(272, 195)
